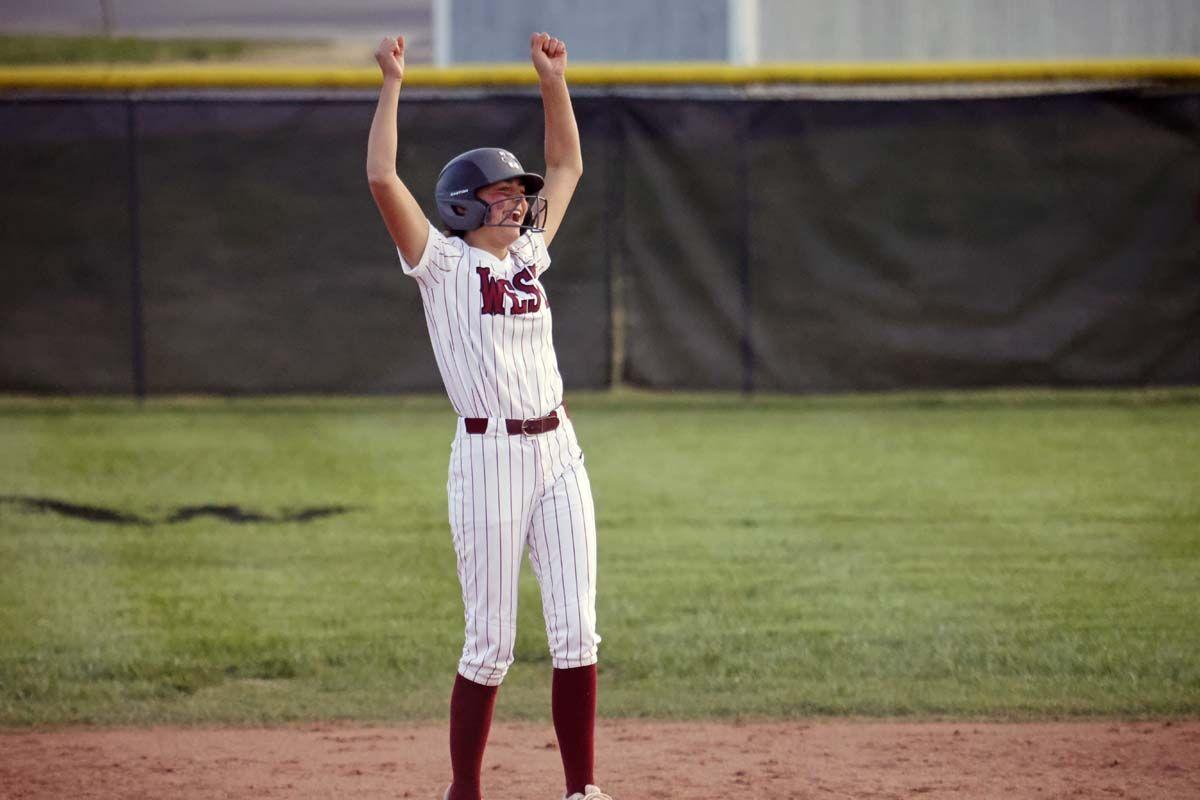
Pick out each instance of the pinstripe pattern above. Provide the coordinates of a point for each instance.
(508, 495)
(492, 364)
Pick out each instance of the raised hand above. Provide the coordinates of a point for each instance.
(549, 55)
(390, 57)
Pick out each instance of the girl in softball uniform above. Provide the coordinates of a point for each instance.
(516, 482)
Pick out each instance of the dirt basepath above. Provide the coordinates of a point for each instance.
(637, 761)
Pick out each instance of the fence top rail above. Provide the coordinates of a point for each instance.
(147, 77)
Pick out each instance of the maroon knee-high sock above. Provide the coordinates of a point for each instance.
(471, 706)
(573, 705)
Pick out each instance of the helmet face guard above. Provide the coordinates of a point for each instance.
(461, 209)
(502, 211)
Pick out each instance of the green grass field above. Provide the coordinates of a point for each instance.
(1005, 554)
(28, 49)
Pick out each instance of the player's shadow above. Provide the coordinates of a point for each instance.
(229, 513)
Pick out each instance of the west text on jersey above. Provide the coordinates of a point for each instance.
(494, 290)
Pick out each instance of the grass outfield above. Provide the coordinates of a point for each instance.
(1013, 555)
(31, 49)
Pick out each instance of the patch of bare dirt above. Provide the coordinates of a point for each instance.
(636, 760)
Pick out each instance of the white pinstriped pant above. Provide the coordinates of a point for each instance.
(508, 494)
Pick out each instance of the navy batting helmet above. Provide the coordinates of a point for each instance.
(469, 172)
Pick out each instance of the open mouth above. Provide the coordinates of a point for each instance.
(525, 212)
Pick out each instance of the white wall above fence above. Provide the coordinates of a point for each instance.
(757, 31)
(937, 30)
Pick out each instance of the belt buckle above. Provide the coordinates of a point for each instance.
(525, 430)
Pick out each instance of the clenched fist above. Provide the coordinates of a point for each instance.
(549, 55)
(390, 57)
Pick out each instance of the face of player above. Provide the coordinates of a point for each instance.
(508, 202)
(508, 207)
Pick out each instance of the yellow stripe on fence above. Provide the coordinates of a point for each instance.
(135, 78)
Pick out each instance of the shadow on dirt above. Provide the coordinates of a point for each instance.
(229, 513)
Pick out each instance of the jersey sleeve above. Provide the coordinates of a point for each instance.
(530, 250)
(441, 256)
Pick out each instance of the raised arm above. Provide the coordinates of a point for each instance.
(564, 159)
(400, 210)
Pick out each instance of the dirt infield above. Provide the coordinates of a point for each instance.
(636, 759)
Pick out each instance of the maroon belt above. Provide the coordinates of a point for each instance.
(528, 427)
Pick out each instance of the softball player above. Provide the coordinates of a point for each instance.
(516, 481)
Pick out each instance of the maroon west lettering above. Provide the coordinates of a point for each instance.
(494, 290)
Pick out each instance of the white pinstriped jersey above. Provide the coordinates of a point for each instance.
(490, 326)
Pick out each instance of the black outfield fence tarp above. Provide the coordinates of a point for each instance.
(65, 317)
(228, 243)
